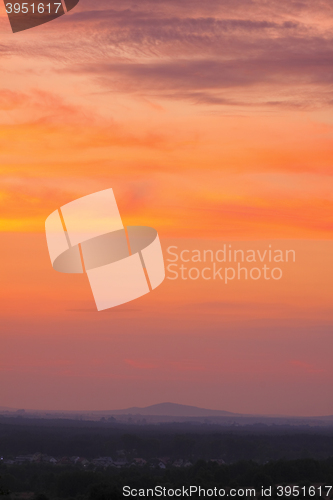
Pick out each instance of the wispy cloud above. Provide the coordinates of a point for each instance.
(197, 51)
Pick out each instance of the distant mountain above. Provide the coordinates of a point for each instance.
(172, 410)
(169, 412)
(159, 410)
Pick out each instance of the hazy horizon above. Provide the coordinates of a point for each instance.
(168, 408)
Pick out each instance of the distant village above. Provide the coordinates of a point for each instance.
(101, 462)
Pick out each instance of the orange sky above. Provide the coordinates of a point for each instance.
(212, 122)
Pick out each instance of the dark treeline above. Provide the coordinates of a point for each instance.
(187, 441)
(69, 482)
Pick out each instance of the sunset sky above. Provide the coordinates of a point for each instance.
(213, 123)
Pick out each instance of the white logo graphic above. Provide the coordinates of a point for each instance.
(87, 235)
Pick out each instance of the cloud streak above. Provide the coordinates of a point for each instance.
(190, 51)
